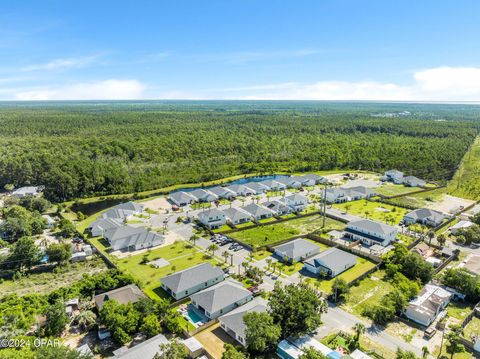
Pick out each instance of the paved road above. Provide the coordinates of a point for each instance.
(337, 319)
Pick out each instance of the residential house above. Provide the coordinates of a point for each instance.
(256, 187)
(273, 185)
(279, 208)
(423, 250)
(394, 175)
(425, 216)
(28, 191)
(237, 216)
(310, 179)
(293, 348)
(99, 227)
(212, 218)
(336, 195)
(240, 190)
(331, 262)
(192, 280)
(132, 238)
(232, 323)
(413, 181)
(221, 298)
(123, 210)
(371, 232)
(459, 226)
(289, 182)
(431, 301)
(202, 195)
(258, 212)
(296, 202)
(296, 250)
(181, 199)
(361, 192)
(145, 350)
(347, 194)
(123, 295)
(222, 192)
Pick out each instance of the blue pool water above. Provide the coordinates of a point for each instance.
(238, 181)
(193, 316)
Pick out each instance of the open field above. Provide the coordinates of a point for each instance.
(267, 235)
(472, 328)
(420, 200)
(373, 210)
(466, 181)
(367, 292)
(46, 282)
(361, 267)
(392, 189)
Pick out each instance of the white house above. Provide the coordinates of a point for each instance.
(258, 212)
(296, 250)
(237, 216)
(192, 280)
(278, 207)
(332, 262)
(413, 181)
(181, 198)
(425, 216)
(212, 218)
(240, 190)
(296, 202)
(310, 179)
(221, 298)
(256, 187)
(289, 182)
(460, 225)
(371, 232)
(232, 323)
(99, 227)
(123, 210)
(424, 308)
(132, 238)
(394, 176)
(273, 185)
(222, 192)
(344, 194)
(28, 191)
(202, 195)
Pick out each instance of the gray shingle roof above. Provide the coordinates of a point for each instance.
(424, 213)
(331, 258)
(256, 186)
(297, 248)
(234, 319)
(221, 295)
(272, 183)
(276, 206)
(188, 278)
(122, 210)
(135, 235)
(297, 198)
(107, 223)
(181, 197)
(144, 350)
(220, 191)
(211, 212)
(373, 226)
(124, 295)
(235, 214)
(256, 210)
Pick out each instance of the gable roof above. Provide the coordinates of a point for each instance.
(122, 210)
(123, 295)
(221, 295)
(211, 212)
(136, 235)
(297, 248)
(221, 191)
(188, 278)
(256, 210)
(201, 193)
(237, 188)
(361, 189)
(236, 213)
(288, 180)
(256, 186)
(106, 223)
(429, 300)
(181, 196)
(276, 206)
(331, 258)
(144, 350)
(373, 226)
(234, 319)
(297, 198)
(272, 183)
(27, 190)
(426, 213)
(395, 173)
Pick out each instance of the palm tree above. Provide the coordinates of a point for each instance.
(85, 319)
(212, 248)
(425, 352)
(430, 235)
(269, 263)
(193, 239)
(274, 266)
(225, 255)
(441, 239)
(359, 329)
(245, 265)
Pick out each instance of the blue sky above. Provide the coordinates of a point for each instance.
(240, 49)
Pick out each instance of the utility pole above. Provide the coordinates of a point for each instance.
(324, 203)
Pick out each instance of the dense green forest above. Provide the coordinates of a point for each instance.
(82, 149)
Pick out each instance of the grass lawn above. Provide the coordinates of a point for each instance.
(223, 228)
(472, 328)
(197, 205)
(262, 254)
(459, 310)
(373, 210)
(290, 215)
(406, 240)
(289, 269)
(392, 189)
(266, 235)
(267, 220)
(361, 267)
(46, 282)
(420, 200)
(179, 256)
(367, 292)
(310, 209)
(366, 344)
(151, 211)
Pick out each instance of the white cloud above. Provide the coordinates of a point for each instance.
(102, 90)
(435, 84)
(61, 64)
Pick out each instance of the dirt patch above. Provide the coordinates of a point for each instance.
(158, 204)
(450, 204)
(213, 339)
